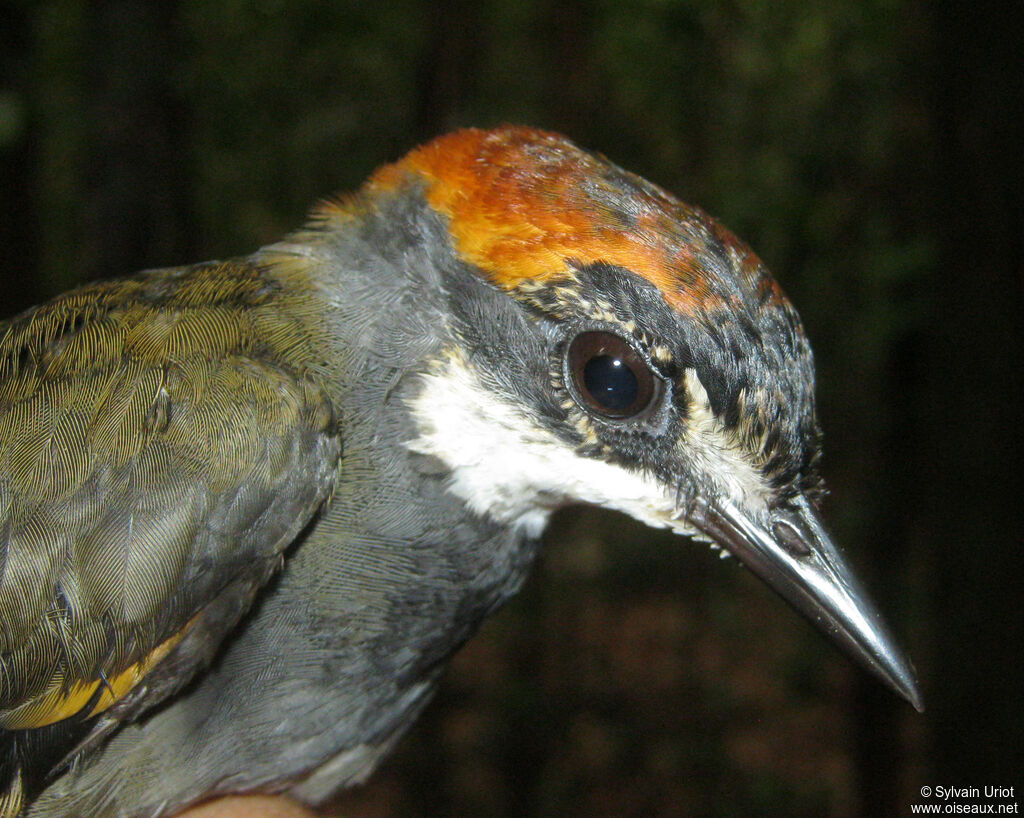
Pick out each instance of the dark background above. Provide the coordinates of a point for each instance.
(868, 150)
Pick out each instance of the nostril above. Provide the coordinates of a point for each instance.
(790, 538)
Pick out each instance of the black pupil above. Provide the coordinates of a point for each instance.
(610, 377)
(611, 382)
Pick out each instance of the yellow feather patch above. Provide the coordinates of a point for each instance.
(59, 703)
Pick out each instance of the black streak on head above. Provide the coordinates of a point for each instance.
(752, 359)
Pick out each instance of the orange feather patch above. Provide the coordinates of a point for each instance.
(525, 205)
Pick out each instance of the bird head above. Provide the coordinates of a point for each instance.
(611, 345)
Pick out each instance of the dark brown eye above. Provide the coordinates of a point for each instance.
(609, 376)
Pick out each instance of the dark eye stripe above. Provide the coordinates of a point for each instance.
(609, 377)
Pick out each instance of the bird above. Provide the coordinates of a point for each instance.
(250, 508)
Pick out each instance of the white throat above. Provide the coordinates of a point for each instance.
(505, 466)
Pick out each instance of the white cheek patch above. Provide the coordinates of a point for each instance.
(504, 465)
(717, 453)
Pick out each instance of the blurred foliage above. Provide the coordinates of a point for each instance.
(633, 677)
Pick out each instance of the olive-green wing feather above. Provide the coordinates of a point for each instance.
(156, 457)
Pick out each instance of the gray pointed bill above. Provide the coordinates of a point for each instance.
(798, 559)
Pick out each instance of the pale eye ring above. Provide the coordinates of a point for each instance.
(609, 377)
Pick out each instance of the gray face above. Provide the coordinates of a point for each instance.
(602, 366)
(591, 388)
